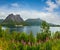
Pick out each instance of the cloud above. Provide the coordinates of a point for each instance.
(58, 2)
(51, 6)
(25, 14)
(15, 5)
(49, 16)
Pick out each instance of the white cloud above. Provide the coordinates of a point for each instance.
(15, 5)
(25, 14)
(50, 16)
(51, 6)
(58, 2)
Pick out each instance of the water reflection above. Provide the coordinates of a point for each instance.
(20, 29)
(34, 29)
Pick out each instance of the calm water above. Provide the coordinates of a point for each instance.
(28, 29)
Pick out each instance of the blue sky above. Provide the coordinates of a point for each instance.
(47, 10)
(26, 4)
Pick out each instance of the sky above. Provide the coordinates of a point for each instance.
(48, 10)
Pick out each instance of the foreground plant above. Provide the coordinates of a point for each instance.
(23, 41)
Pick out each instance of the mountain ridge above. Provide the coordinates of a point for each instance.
(12, 19)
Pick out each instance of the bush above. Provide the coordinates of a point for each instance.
(57, 35)
(31, 38)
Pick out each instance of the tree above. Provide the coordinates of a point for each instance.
(45, 27)
(45, 31)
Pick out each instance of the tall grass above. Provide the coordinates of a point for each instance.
(23, 41)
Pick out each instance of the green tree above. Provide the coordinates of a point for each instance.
(45, 30)
(45, 27)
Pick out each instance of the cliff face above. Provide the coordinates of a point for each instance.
(13, 19)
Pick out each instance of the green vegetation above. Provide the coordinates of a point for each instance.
(23, 41)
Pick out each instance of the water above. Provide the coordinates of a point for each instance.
(28, 29)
